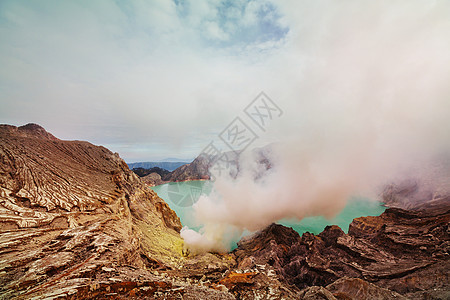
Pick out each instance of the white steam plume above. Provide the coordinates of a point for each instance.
(371, 98)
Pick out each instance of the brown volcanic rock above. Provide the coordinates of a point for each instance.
(234, 278)
(316, 293)
(403, 251)
(358, 289)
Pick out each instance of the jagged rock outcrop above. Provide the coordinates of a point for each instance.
(405, 252)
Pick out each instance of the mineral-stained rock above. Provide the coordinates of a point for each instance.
(234, 278)
(141, 172)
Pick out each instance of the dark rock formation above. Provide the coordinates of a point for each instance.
(141, 172)
(406, 252)
(166, 165)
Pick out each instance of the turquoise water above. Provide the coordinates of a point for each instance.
(181, 195)
(356, 207)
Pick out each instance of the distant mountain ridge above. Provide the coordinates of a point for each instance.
(168, 165)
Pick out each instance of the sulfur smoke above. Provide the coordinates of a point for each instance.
(370, 102)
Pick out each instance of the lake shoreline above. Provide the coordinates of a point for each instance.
(166, 182)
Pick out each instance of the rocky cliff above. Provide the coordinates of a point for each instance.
(197, 169)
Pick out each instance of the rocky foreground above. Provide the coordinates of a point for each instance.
(76, 223)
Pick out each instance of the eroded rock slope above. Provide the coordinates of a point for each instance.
(398, 253)
(74, 220)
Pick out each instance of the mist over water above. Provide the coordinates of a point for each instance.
(356, 207)
(369, 103)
